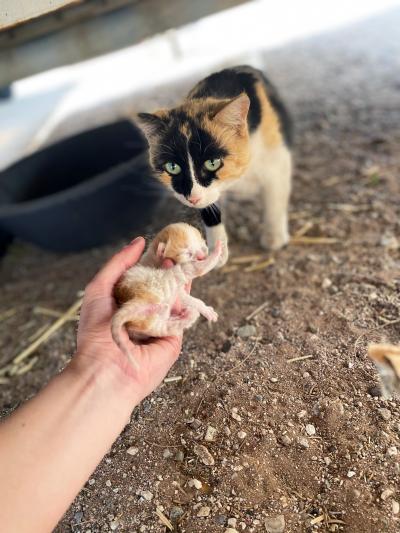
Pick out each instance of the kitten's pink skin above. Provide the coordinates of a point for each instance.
(165, 318)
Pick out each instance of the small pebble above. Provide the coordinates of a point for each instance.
(246, 331)
(226, 346)
(78, 516)
(220, 519)
(395, 507)
(203, 454)
(285, 440)
(386, 494)
(232, 522)
(275, 524)
(310, 429)
(351, 473)
(108, 483)
(210, 434)
(167, 454)
(203, 512)
(273, 380)
(195, 423)
(392, 451)
(196, 483)
(147, 495)
(385, 413)
(375, 391)
(92, 481)
(303, 442)
(175, 513)
(231, 530)
(327, 461)
(132, 450)
(326, 283)
(179, 456)
(235, 415)
(114, 525)
(242, 435)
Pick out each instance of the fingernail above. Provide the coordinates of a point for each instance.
(136, 240)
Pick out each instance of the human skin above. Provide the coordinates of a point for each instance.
(50, 446)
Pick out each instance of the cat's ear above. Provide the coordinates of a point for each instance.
(234, 113)
(150, 124)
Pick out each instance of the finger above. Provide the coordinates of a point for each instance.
(167, 263)
(107, 277)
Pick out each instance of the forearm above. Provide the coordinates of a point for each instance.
(51, 445)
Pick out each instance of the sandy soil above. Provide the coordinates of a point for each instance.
(306, 445)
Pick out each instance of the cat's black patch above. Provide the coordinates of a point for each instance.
(211, 215)
(231, 82)
(203, 146)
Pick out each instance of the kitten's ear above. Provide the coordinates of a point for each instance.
(234, 113)
(150, 124)
(161, 250)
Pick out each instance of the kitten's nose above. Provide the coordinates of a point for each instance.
(194, 199)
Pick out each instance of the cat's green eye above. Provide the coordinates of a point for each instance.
(213, 164)
(172, 168)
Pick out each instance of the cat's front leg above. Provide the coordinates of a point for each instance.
(276, 185)
(215, 231)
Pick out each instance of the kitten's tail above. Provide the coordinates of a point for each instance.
(135, 314)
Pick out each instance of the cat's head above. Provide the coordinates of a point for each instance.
(198, 149)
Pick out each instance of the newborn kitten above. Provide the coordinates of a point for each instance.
(231, 125)
(387, 360)
(146, 293)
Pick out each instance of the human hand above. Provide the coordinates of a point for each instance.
(95, 344)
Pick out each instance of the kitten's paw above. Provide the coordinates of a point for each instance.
(274, 241)
(210, 314)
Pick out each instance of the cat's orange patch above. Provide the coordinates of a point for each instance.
(176, 238)
(270, 124)
(125, 291)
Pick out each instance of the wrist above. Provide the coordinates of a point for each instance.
(105, 378)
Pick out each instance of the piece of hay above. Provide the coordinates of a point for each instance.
(260, 266)
(164, 519)
(313, 240)
(71, 311)
(7, 314)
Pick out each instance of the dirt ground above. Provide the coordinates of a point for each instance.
(309, 443)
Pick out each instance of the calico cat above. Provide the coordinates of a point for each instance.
(231, 125)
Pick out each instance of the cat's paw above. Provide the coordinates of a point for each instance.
(274, 241)
(210, 314)
(223, 258)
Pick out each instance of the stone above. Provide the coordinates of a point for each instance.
(384, 413)
(375, 391)
(147, 495)
(210, 434)
(310, 429)
(242, 435)
(167, 454)
(326, 283)
(351, 473)
(392, 451)
(395, 507)
(114, 525)
(78, 517)
(108, 483)
(203, 454)
(275, 524)
(285, 440)
(232, 522)
(246, 331)
(179, 456)
(203, 512)
(231, 530)
(132, 450)
(196, 483)
(303, 442)
(386, 494)
(175, 513)
(195, 423)
(235, 415)
(220, 519)
(273, 380)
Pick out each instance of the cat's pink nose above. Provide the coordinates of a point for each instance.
(194, 199)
